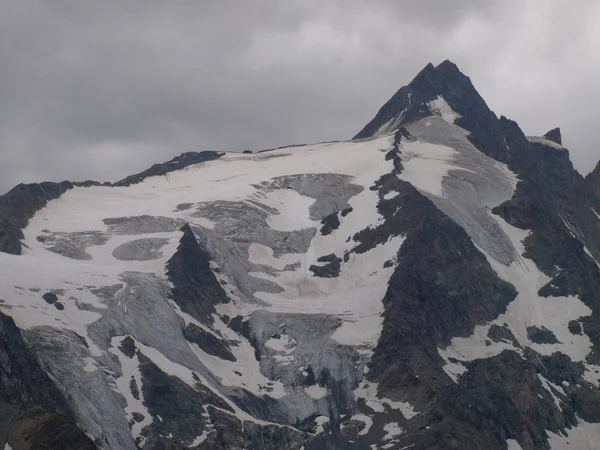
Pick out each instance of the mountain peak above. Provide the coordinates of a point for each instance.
(410, 102)
(434, 88)
(554, 136)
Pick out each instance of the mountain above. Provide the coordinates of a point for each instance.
(431, 284)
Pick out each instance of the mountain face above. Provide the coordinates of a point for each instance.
(431, 284)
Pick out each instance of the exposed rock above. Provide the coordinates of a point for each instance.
(231, 433)
(50, 297)
(498, 334)
(133, 387)
(347, 211)
(196, 289)
(19, 205)
(177, 163)
(38, 429)
(554, 136)
(128, 347)
(541, 335)
(208, 342)
(33, 412)
(330, 270)
(179, 406)
(575, 327)
(330, 223)
(138, 417)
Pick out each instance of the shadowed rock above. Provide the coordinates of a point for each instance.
(554, 136)
(195, 288)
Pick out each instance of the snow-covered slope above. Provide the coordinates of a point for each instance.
(415, 287)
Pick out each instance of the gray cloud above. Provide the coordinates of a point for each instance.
(103, 89)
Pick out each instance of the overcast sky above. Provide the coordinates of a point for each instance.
(102, 89)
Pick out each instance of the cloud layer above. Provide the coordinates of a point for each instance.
(100, 90)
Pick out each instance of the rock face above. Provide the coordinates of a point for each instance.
(554, 136)
(433, 285)
(34, 414)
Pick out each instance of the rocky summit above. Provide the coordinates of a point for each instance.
(432, 283)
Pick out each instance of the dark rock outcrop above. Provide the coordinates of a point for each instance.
(179, 162)
(447, 81)
(554, 136)
(330, 222)
(196, 289)
(208, 342)
(541, 335)
(330, 269)
(19, 205)
(593, 180)
(179, 406)
(33, 411)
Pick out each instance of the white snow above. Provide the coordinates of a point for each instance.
(364, 419)
(440, 108)
(513, 445)
(130, 369)
(200, 439)
(392, 430)
(390, 125)
(527, 310)
(548, 385)
(368, 391)
(390, 195)
(316, 391)
(585, 436)
(320, 421)
(597, 215)
(541, 140)
(590, 255)
(426, 165)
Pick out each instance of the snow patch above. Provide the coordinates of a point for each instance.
(364, 419)
(316, 391)
(392, 430)
(368, 391)
(527, 310)
(426, 165)
(541, 140)
(585, 436)
(131, 373)
(512, 444)
(439, 107)
(320, 421)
